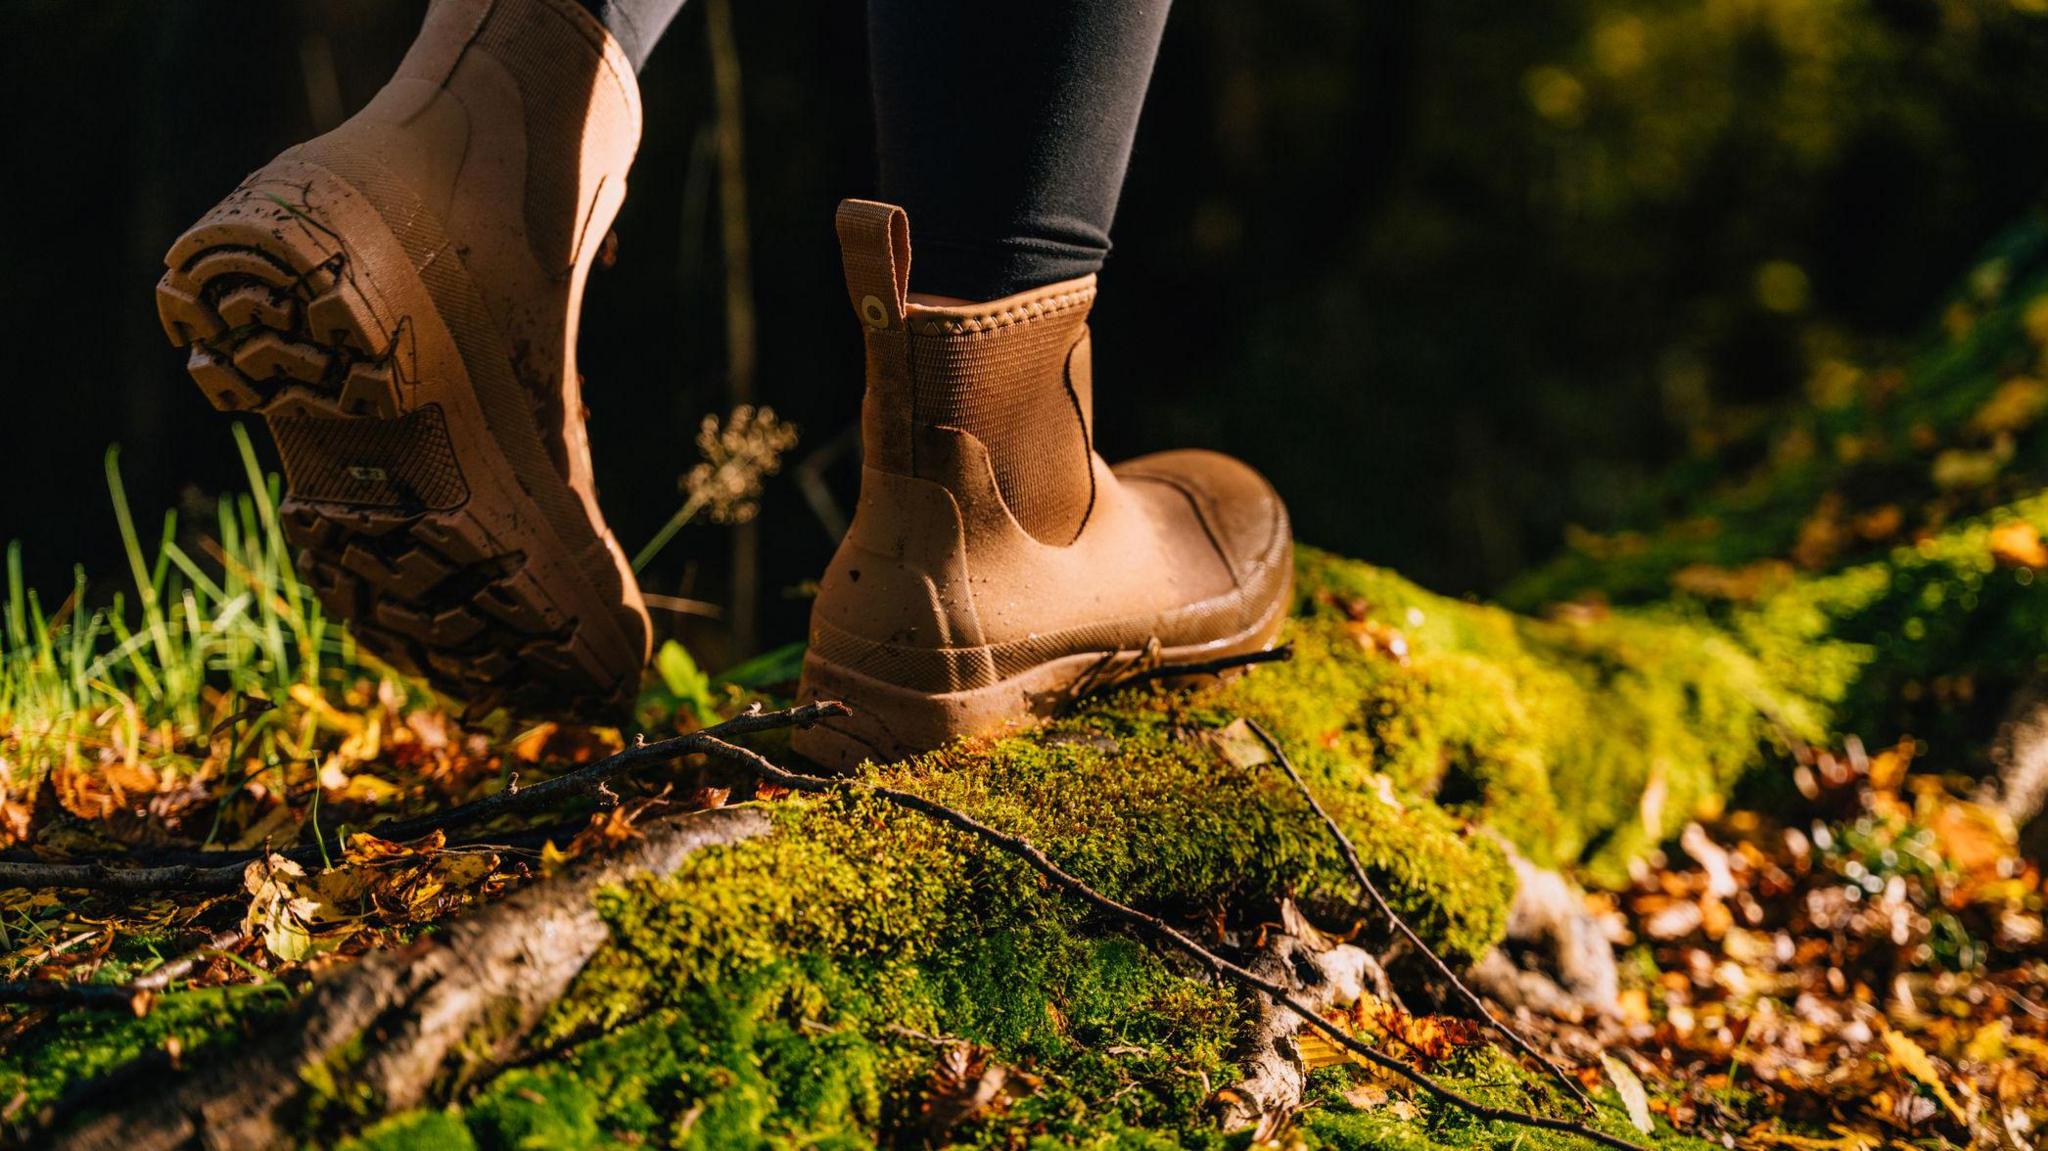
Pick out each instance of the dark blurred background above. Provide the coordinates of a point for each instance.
(1455, 275)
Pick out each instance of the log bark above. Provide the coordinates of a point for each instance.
(1320, 975)
(2019, 753)
(411, 1016)
(1558, 962)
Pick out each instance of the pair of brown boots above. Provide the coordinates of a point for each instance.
(399, 299)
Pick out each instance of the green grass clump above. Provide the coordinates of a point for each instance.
(143, 680)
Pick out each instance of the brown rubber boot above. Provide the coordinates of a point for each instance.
(996, 567)
(399, 299)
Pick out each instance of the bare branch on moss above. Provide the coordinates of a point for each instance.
(1158, 929)
(108, 876)
(1379, 902)
(64, 993)
(158, 978)
(1281, 654)
(1114, 682)
(136, 995)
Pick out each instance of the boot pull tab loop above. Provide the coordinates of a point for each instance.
(874, 244)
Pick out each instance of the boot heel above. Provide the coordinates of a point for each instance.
(277, 309)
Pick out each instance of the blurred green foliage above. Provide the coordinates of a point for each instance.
(1458, 275)
(1553, 247)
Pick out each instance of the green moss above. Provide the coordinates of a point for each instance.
(72, 1047)
(1586, 738)
(415, 1131)
(1483, 1074)
(1843, 541)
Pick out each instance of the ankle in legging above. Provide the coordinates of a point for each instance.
(636, 24)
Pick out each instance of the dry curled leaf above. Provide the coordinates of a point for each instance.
(613, 826)
(1238, 744)
(277, 912)
(965, 1084)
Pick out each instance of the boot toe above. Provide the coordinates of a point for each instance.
(1239, 509)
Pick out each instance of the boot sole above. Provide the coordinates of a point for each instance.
(404, 503)
(891, 723)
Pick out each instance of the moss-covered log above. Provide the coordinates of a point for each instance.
(839, 981)
(820, 955)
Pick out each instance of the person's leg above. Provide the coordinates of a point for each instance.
(636, 24)
(1005, 132)
(995, 566)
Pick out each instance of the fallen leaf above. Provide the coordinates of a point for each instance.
(1317, 1051)
(2016, 404)
(2016, 543)
(1380, 639)
(1630, 1088)
(276, 911)
(1846, 1139)
(1238, 744)
(1911, 1058)
(966, 1083)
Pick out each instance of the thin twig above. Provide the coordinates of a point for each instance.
(736, 243)
(1217, 666)
(101, 875)
(104, 875)
(136, 995)
(1379, 902)
(1280, 654)
(158, 978)
(64, 993)
(1155, 927)
(589, 778)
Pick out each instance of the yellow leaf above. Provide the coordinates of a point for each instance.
(1988, 1045)
(2035, 319)
(366, 848)
(1980, 841)
(1317, 1051)
(369, 789)
(1909, 1057)
(1958, 470)
(276, 912)
(1845, 1139)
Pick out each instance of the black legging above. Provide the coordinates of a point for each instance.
(1003, 131)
